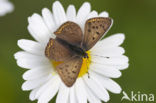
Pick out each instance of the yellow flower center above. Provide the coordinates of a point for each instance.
(84, 67)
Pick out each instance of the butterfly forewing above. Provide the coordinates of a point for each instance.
(57, 51)
(70, 32)
(69, 70)
(95, 28)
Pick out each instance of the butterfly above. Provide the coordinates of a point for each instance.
(70, 46)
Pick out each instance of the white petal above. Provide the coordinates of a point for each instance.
(82, 14)
(110, 61)
(32, 84)
(119, 67)
(112, 41)
(5, 7)
(44, 87)
(26, 55)
(37, 73)
(71, 13)
(109, 42)
(49, 21)
(80, 91)
(31, 46)
(30, 64)
(63, 94)
(96, 88)
(31, 31)
(72, 93)
(50, 91)
(107, 83)
(92, 15)
(30, 61)
(108, 52)
(106, 70)
(104, 14)
(59, 13)
(33, 93)
(38, 29)
(122, 67)
(91, 97)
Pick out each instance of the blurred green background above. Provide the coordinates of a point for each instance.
(135, 18)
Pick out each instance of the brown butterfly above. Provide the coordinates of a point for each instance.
(70, 46)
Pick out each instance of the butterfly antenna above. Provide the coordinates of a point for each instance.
(101, 56)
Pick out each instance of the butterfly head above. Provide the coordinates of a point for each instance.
(85, 55)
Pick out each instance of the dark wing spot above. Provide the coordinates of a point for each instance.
(89, 30)
(93, 27)
(97, 33)
(73, 72)
(66, 65)
(93, 38)
(96, 27)
(76, 66)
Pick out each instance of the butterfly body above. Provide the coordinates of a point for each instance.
(79, 51)
(70, 46)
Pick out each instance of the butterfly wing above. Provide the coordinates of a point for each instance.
(95, 28)
(57, 51)
(70, 32)
(69, 70)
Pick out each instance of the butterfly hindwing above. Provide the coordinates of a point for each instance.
(69, 70)
(95, 28)
(70, 32)
(57, 51)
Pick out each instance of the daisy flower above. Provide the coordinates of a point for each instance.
(42, 78)
(5, 7)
